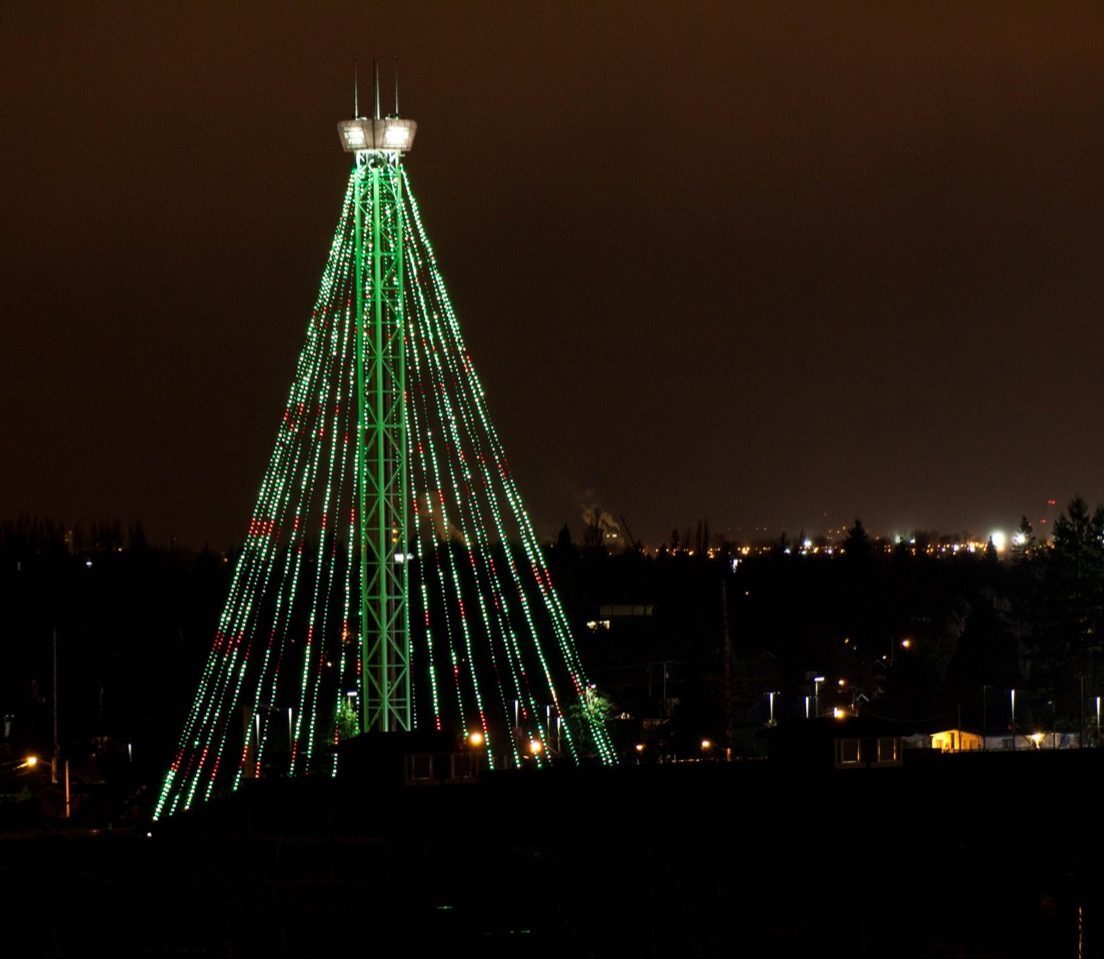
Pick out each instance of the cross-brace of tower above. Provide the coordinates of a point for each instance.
(390, 578)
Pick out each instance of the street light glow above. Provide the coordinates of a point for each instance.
(475, 738)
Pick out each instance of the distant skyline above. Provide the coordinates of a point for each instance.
(769, 265)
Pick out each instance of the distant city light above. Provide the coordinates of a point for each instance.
(906, 643)
(1018, 539)
(535, 747)
(706, 745)
(999, 540)
(838, 713)
(475, 738)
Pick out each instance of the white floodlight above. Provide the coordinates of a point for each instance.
(385, 135)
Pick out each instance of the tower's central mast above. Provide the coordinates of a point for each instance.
(378, 144)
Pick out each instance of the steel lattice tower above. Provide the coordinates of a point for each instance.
(383, 480)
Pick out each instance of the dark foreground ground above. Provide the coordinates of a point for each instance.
(992, 855)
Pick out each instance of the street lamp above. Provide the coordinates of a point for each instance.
(32, 762)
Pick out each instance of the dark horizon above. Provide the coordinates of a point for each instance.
(859, 280)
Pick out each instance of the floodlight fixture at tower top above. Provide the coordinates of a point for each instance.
(377, 134)
(371, 135)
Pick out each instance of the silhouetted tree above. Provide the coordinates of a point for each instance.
(857, 544)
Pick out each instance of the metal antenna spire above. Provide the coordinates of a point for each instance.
(375, 66)
(356, 91)
(396, 86)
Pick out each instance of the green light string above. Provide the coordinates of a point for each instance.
(427, 461)
(252, 559)
(528, 701)
(423, 528)
(469, 520)
(481, 549)
(308, 695)
(528, 537)
(532, 548)
(461, 605)
(289, 590)
(255, 560)
(331, 505)
(312, 414)
(260, 547)
(343, 680)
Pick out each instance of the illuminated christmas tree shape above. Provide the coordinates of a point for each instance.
(390, 578)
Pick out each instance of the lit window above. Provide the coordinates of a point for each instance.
(848, 752)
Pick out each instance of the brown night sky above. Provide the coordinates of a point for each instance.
(777, 265)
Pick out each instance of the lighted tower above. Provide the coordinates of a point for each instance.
(390, 578)
(378, 144)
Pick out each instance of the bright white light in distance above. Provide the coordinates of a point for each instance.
(1018, 539)
(1000, 541)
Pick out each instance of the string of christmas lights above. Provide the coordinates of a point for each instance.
(492, 650)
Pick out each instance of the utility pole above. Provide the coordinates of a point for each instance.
(726, 651)
(57, 736)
